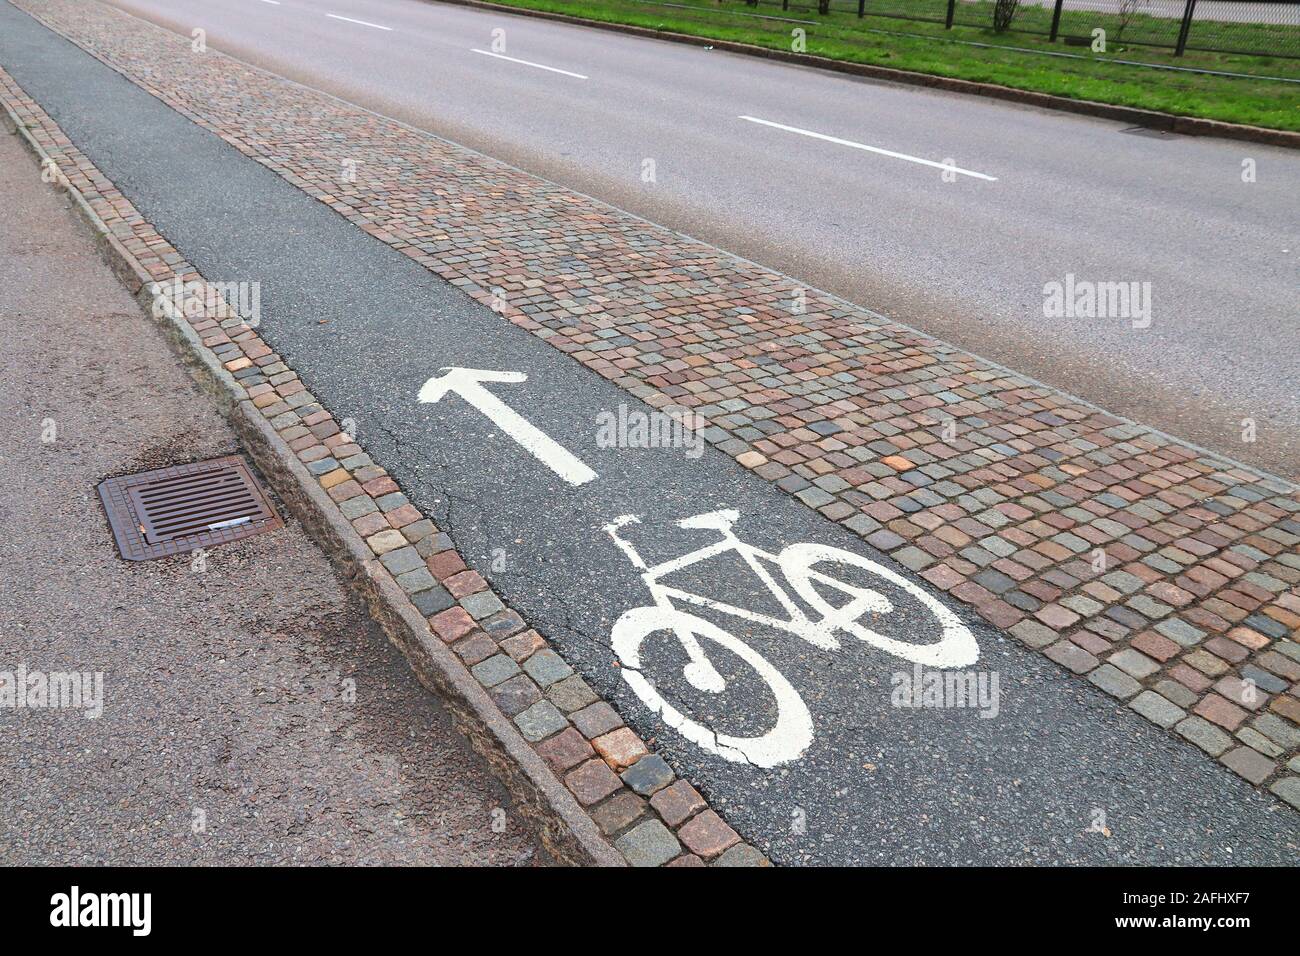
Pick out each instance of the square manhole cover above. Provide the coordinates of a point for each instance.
(167, 511)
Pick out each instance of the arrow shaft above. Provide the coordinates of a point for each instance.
(533, 440)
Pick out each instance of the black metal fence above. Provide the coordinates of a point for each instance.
(1255, 27)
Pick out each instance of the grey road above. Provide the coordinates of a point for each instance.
(874, 782)
(966, 260)
(252, 712)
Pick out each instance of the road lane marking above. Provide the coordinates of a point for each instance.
(364, 23)
(468, 384)
(869, 149)
(540, 66)
(275, 2)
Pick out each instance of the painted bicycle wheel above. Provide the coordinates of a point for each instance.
(785, 741)
(956, 645)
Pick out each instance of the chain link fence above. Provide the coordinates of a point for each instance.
(1254, 27)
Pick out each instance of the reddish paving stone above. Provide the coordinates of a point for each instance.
(464, 584)
(342, 492)
(999, 613)
(406, 514)
(475, 648)
(707, 835)
(1170, 594)
(452, 624)
(592, 781)
(1192, 680)
(370, 524)
(1056, 617)
(1219, 711)
(1228, 650)
(971, 593)
(522, 646)
(1155, 646)
(378, 487)
(942, 576)
(445, 564)
(620, 748)
(1248, 638)
(677, 802)
(565, 750)
(1090, 642)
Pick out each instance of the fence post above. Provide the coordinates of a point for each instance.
(1056, 20)
(862, 7)
(785, 4)
(1185, 29)
(952, 6)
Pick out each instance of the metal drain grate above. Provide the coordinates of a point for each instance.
(158, 513)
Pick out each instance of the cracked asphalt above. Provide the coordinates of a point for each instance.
(226, 690)
(365, 327)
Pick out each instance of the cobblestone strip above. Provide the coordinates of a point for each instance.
(633, 797)
(1167, 576)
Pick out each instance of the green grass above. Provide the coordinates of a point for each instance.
(841, 35)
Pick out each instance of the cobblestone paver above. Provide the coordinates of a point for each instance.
(553, 708)
(1101, 542)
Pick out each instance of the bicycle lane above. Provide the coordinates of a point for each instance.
(1049, 770)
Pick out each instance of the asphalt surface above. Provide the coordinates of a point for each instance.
(964, 260)
(225, 690)
(366, 327)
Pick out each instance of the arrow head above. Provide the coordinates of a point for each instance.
(456, 379)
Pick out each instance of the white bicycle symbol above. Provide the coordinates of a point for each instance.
(793, 731)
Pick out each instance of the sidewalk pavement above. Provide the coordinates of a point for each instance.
(1164, 575)
(227, 734)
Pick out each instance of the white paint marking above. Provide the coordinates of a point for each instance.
(467, 383)
(274, 2)
(869, 149)
(792, 733)
(364, 23)
(502, 56)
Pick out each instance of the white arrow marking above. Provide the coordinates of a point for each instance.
(467, 383)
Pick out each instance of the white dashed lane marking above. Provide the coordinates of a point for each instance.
(540, 66)
(364, 23)
(870, 149)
